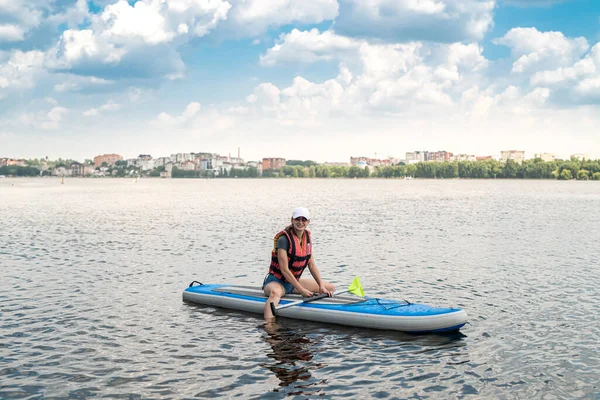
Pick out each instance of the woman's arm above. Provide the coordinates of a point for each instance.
(314, 271)
(282, 257)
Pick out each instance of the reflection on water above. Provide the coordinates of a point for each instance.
(300, 356)
(292, 355)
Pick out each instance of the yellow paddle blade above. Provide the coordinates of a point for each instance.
(356, 288)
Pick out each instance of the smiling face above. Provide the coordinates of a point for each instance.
(299, 224)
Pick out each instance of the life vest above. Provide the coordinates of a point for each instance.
(298, 255)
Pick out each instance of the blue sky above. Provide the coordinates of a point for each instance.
(312, 79)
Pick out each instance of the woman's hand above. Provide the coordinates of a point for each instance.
(323, 289)
(306, 293)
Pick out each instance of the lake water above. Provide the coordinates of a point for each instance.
(92, 272)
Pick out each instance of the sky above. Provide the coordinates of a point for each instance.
(318, 80)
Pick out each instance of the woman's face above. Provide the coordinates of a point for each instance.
(300, 224)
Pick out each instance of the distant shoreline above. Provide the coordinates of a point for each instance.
(155, 178)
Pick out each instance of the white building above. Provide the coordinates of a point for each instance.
(545, 156)
(517, 156)
(415, 157)
(188, 166)
(146, 165)
(181, 157)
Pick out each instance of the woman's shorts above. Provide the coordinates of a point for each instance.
(288, 287)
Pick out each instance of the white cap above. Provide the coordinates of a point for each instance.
(301, 212)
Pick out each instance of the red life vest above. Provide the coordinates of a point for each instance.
(298, 254)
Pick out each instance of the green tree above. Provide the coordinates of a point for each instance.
(480, 171)
(411, 170)
(307, 163)
(510, 169)
(583, 175)
(14, 170)
(566, 175)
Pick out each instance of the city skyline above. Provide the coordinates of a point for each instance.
(320, 80)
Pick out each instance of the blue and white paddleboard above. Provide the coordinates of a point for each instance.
(349, 310)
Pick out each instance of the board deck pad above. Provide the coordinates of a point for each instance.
(252, 291)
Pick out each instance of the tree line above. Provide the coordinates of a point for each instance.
(485, 169)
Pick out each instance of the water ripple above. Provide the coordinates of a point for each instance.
(91, 274)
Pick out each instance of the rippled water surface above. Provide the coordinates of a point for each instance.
(92, 271)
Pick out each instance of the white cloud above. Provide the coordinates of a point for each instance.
(19, 70)
(42, 120)
(309, 46)
(578, 83)
(108, 106)
(537, 50)
(11, 33)
(73, 16)
(191, 110)
(196, 122)
(75, 83)
(18, 18)
(35, 23)
(372, 77)
(136, 41)
(253, 17)
(407, 20)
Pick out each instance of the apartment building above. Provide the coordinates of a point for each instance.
(416, 156)
(515, 155)
(272, 163)
(440, 156)
(373, 162)
(545, 156)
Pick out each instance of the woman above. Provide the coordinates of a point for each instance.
(292, 253)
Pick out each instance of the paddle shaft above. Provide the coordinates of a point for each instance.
(306, 300)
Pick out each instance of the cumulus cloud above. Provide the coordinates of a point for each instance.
(309, 46)
(76, 83)
(108, 106)
(535, 50)
(191, 110)
(19, 70)
(11, 33)
(18, 18)
(254, 17)
(35, 23)
(578, 83)
(139, 40)
(44, 120)
(198, 122)
(407, 20)
(384, 77)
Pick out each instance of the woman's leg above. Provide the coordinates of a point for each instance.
(311, 284)
(275, 291)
